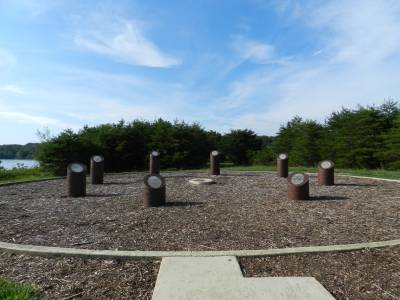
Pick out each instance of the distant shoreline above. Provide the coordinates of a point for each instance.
(9, 164)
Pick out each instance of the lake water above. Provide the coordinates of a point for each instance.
(13, 163)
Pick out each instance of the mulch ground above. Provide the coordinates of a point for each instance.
(74, 278)
(358, 275)
(241, 211)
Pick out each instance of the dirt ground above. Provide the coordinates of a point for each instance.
(240, 211)
(358, 275)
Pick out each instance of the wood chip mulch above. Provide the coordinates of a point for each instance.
(75, 278)
(359, 275)
(240, 211)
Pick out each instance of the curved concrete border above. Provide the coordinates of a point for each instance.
(112, 254)
(366, 177)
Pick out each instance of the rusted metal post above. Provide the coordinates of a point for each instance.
(154, 167)
(326, 172)
(298, 186)
(97, 169)
(154, 191)
(282, 163)
(214, 163)
(76, 177)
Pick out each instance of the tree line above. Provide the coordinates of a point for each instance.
(365, 137)
(27, 151)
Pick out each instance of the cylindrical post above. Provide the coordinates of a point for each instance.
(282, 164)
(97, 169)
(76, 177)
(326, 172)
(154, 162)
(298, 186)
(154, 190)
(214, 163)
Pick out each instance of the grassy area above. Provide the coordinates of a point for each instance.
(356, 172)
(17, 291)
(23, 174)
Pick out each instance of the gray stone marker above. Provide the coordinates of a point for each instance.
(282, 165)
(214, 163)
(298, 186)
(97, 169)
(76, 177)
(154, 190)
(220, 278)
(154, 167)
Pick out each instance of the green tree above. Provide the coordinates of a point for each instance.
(125, 146)
(301, 140)
(58, 152)
(306, 149)
(354, 137)
(390, 153)
(239, 145)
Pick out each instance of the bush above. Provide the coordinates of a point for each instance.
(264, 156)
(125, 146)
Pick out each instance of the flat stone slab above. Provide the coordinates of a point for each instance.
(201, 181)
(220, 278)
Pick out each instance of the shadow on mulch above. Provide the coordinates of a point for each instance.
(117, 183)
(103, 195)
(327, 198)
(354, 184)
(184, 176)
(183, 204)
(241, 175)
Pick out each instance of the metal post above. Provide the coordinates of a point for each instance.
(298, 186)
(154, 190)
(154, 162)
(76, 177)
(97, 169)
(282, 163)
(326, 172)
(214, 163)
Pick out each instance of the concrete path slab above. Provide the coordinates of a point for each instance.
(220, 278)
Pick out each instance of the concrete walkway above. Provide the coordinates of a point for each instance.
(220, 278)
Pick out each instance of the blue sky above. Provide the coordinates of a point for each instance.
(226, 64)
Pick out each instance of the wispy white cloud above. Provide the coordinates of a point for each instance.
(33, 119)
(357, 62)
(12, 88)
(31, 8)
(244, 92)
(252, 50)
(125, 41)
(7, 58)
(361, 31)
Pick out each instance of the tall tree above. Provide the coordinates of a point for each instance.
(239, 145)
(390, 153)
